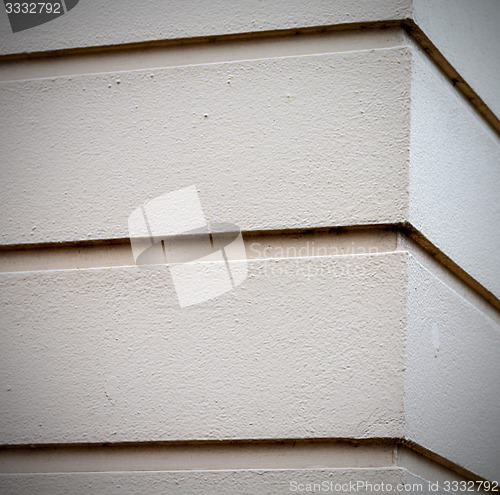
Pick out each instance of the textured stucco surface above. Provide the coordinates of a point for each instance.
(467, 34)
(102, 22)
(304, 348)
(292, 142)
(454, 175)
(452, 391)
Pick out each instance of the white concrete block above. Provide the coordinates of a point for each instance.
(304, 348)
(454, 175)
(292, 142)
(452, 391)
(467, 35)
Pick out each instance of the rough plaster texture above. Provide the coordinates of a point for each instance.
(112, 22)
(465, 32)
(452, 390)
(467, 35)
(314, 350)
(304, 348)
(454, 175)
(292, 142)
(262, 482)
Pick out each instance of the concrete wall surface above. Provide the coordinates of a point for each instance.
(270, 144)
(336, 148)
(466, 34)
(104, 355)
(350, 153)
(125, 363)
(452, 370)
(454, 174)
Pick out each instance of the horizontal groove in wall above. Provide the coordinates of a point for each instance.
(230, 455)
(196, 456)
(197, 40)
(154, 57)
(422, 461)
(430, 466)
(288, 42)
(457, 80)
(448, 271)
(258, 245)
(340, 241)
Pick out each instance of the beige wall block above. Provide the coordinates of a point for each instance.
(291, 142)
(465, 32)
(304, 348)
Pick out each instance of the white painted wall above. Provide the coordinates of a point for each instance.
(467, 35)
(452, 391)
(305, 348)
(465, 32)
(454, 174)
(288, 142)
